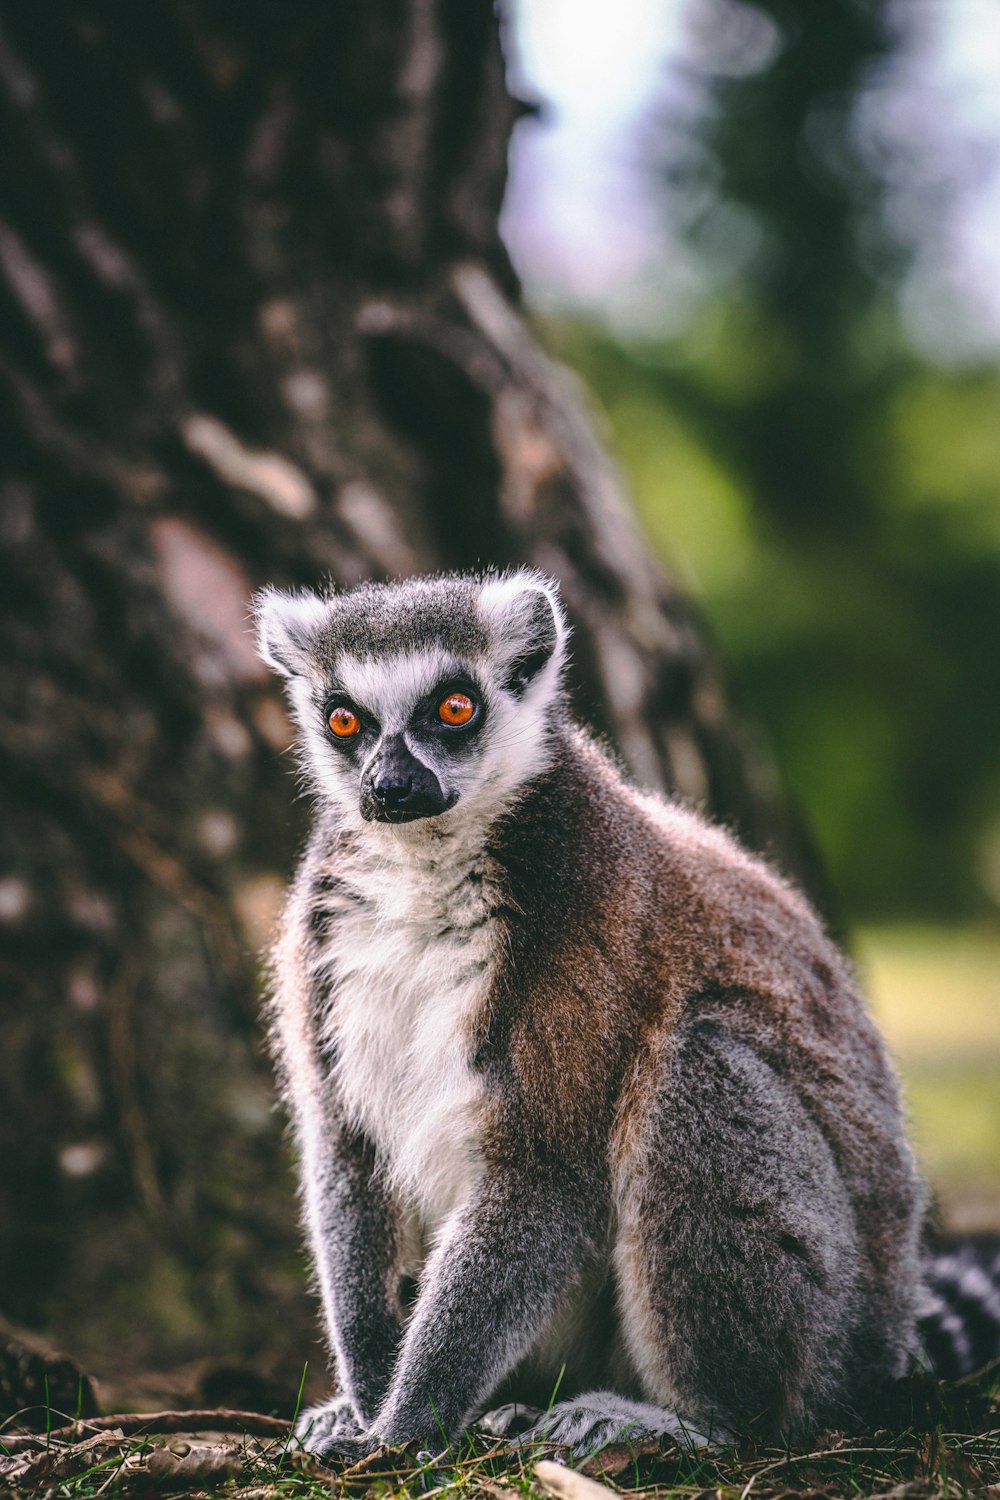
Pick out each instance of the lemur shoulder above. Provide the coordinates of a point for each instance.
(564, 1058)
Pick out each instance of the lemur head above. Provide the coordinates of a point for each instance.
(416, 698)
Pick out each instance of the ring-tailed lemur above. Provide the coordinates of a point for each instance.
(565, 1057)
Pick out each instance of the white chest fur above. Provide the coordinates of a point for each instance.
(410, 957)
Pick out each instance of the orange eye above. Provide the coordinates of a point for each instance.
(344, 722)
(456, 709)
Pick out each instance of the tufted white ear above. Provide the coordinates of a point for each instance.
(287, 628)
(523, 613)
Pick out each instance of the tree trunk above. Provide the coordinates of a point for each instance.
(257, 325)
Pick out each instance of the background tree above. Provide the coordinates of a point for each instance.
(257, 325)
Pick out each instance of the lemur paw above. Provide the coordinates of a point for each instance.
(509, 1420)
(599, 1418)
(331, 1428)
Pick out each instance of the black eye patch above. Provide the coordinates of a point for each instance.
(343, 704)
(442, 715)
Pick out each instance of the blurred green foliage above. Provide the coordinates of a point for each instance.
(936, 993)
(832, 496)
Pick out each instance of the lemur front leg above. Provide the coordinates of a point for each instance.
(487, 1292)
(353, 1234)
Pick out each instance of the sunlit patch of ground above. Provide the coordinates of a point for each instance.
(936, 993)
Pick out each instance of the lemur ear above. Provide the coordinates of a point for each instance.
(287, 629)
(524, 614)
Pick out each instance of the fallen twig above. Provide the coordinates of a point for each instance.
(132, 1423)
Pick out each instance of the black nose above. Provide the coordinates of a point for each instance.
(400, 788)
(392, 788)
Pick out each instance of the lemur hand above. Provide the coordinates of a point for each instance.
(332, 1428)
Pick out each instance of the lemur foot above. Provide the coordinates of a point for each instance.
(597, 1419)
(332, 1429)
(509, 1420)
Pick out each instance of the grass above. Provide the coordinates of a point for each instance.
(936, 1442)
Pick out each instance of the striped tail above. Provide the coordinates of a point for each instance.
(960, 1313)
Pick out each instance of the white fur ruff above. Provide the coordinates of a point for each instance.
(409, 958)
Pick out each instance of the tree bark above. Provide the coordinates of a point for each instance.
(256, 324)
